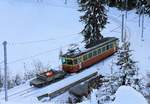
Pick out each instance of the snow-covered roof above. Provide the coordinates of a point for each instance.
(100, 43)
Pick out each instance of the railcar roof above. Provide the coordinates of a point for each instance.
(100, 43)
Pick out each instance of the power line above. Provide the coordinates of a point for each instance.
(60, 6)
(41, 41)
(30, 42)
(41, 53)
(38, 54)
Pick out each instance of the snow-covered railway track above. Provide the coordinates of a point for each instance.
(57, 88)
(21, 93)
(54, 89)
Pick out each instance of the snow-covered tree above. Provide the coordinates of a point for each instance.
(143, 6)
(127, 66)
(1, 79)
(94, 18)
(146, 90)
(106, 92)
(17, 80)
(38, 66)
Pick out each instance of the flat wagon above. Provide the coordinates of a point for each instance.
(47, 77)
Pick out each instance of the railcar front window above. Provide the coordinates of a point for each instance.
(69, 61)
(63, 61)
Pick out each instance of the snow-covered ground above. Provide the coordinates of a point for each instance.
(128, 95)
(124, 95)
(32, 29)
(40, 30)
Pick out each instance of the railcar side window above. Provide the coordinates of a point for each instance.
(79, 59)
(114, 44)
(107, 47)
(85, 57)
(94, 52)
(103, 49)
(111, 45)
(90, 55)
(99, 51)
(75, 61)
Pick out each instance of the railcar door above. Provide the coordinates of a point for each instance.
(80, 62)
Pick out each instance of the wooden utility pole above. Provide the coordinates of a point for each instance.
(65, 1)
(108, 4)
(143, 7)
(122, 35)
(5, 69)
(139, 19)
(126, 8)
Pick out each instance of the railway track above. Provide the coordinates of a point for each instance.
(62, 86)
(54, 89)
(21, 93)
(33, 90)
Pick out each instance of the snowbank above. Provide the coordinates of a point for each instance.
(9, 102)
(124, 95)
(127, 95)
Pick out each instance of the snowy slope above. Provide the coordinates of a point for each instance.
(23, 22)
(124, 95)
(128, 95)
(140, 46)
(53, 22)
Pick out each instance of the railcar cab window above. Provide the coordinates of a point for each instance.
(67, 61)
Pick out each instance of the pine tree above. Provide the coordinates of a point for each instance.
(94, 18)
(127, 66)
(145, 4)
